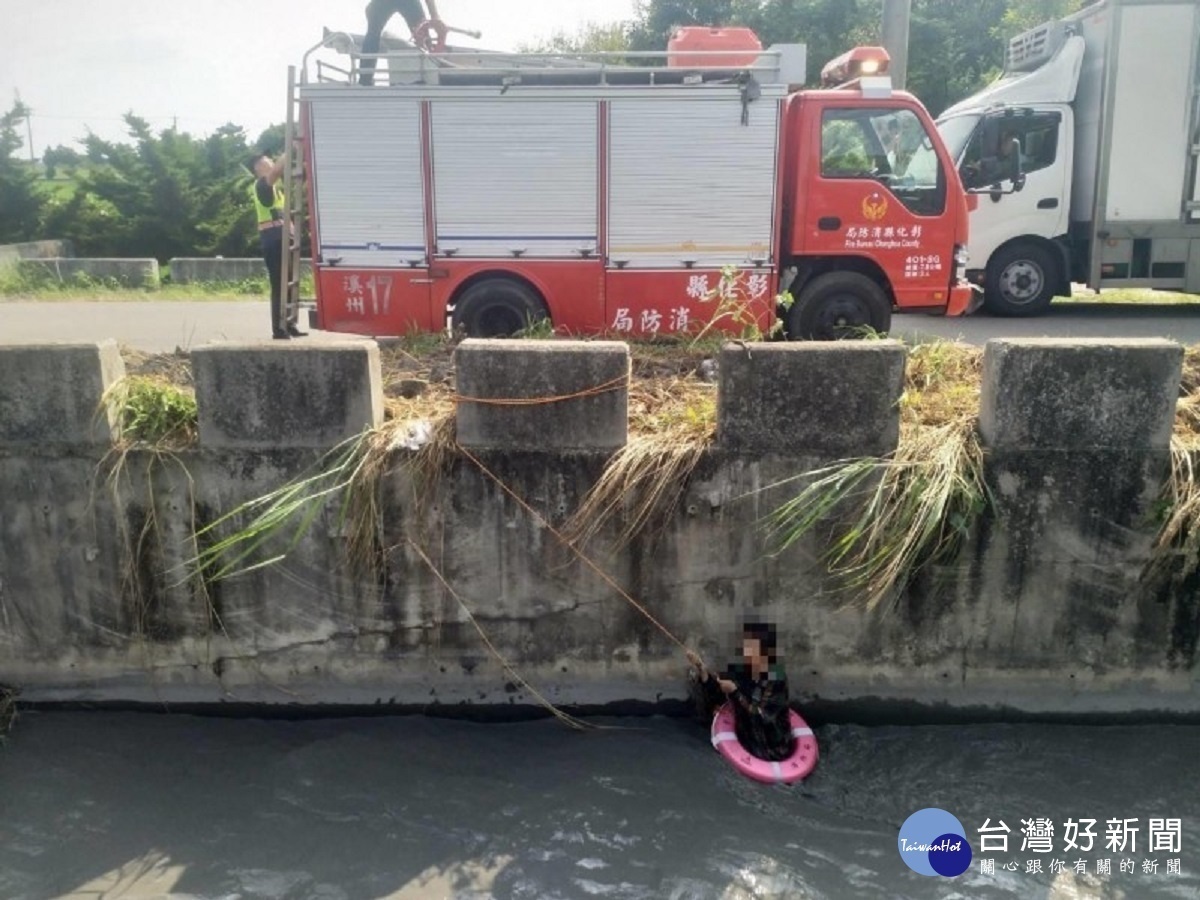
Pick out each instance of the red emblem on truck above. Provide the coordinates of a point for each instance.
(875, 207)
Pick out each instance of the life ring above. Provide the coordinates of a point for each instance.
(799, 765)
(430, 36)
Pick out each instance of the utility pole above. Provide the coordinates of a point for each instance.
(896, 17)
(28, 126)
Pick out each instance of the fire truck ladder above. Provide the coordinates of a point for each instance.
(293, 216)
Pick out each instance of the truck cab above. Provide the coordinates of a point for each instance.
(487, 192)
(871, 195)
(1082, 157)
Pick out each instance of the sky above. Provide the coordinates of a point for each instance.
(81, 64)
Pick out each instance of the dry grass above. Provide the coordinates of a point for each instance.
(173, 367)
(643, 482)
(920, 506)
(941, 385)
(1187, 412)
(893, 516)
(1176, 552)
(672, 421)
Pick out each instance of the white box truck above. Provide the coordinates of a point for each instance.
(1083, 157)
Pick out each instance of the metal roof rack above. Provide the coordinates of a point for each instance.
(402, 63)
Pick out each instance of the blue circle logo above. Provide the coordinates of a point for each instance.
(933, 842)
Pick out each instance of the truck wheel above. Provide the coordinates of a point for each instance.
(497, 307)
(1020, 281)
(839, 305)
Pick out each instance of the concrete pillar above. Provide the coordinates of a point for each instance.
(836, 399)
(1079, 395)
(287, 395)
(583, 387)
(50, 394)
(1077, 435)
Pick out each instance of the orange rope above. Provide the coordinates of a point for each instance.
(570, 546)
(558, 713)
(606, 387)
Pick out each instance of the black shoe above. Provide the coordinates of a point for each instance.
(293, 331)
(281, 335)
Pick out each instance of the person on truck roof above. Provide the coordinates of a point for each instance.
(379, 12)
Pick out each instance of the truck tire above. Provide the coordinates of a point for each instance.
(1020, 281)
(497, 307)
(839, 305)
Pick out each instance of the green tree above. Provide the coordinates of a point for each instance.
(20, 200)
(955, 46)
(656, 19)
(270, 142)
(58, 157)
(1022, 15)
(953, 49)
(164, 195)
(590, 38)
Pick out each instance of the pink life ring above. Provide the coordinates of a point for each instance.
(799, 765)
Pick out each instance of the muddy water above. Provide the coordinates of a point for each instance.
(128, 805)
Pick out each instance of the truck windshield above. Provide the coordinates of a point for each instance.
(955, 133)
(888, 145)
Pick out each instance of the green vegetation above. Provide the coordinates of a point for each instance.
(154, 411)
(1129, 295)
(41, 284)
(160, 195)
(956, 46)
(892, 517)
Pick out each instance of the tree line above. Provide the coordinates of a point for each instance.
(170, 193)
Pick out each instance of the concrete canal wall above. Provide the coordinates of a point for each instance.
(1045, 610)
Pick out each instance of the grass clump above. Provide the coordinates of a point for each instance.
(153, 410)
(1176, 550)
(893, 516)
(905, 511)
(349, 479)
(941, 384)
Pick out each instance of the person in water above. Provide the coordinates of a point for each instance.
(758, 690)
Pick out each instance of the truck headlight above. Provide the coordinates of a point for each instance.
(961, 257)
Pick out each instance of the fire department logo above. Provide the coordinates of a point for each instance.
(875, 207)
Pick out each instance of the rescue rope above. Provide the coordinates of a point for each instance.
(608, 579)
(566, 718)
(605, 388)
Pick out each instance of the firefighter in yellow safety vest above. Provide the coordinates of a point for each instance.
(267, 194)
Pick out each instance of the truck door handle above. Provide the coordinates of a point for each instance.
(829, 223)
(1048, 203)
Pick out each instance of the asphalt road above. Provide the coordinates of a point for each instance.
(162, 326)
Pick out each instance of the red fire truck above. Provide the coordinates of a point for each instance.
(491, 190)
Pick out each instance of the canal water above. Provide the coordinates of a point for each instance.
(139, 805)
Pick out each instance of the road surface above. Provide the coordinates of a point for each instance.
(162, 326)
